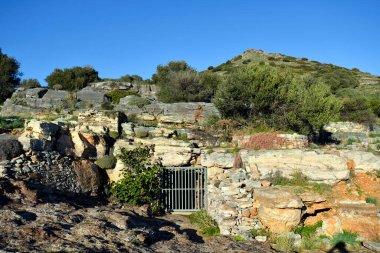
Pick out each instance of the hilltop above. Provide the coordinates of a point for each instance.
(368, 84)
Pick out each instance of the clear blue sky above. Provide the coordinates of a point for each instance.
(119, 37)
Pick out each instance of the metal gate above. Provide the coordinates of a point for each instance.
(184, 188)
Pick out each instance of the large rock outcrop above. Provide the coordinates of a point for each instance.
(316, 165)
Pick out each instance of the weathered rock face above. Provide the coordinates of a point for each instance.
(90, 98)
(361, 218)
(317, 166)
(51, 172)
(279, 210)
(219, 159)
(176, 113)
(267, 141)
(39, 135)
(100, 122)
(9, 147)
(362, 161)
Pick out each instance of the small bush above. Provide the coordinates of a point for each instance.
(11, 122)
(307, 231)
(139, 102)
(345, 237)
(378, 173)
(106, 105)
(371, 200)
(113, 134)
(30, 83)
(207, 225)
(259, 232)
(116, 95)
(106, 162)
(239, 238)
(284, 243)
(141, 180)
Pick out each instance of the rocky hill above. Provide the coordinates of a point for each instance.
(369, 85)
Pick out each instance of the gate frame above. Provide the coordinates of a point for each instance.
(203, 174)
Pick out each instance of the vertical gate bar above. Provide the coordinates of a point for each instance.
(202, 193)
(171, 189)
(182, 189)
(206, 188)
(191, 189)
(186, 190)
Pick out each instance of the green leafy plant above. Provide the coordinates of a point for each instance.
(345, 237)
(307, 230)
(284, 243)
(116, 95)
(106, 162)
(140, 182)
(239, 238)
(72, 79)
(113, 134)
(207, 225)
(11, 122)
(259, 232)
(371, 200)
(298, 179)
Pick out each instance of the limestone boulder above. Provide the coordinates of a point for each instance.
(362, 161)
(173, 156)
(317, 166)
(82, 147)
(279, 210)
(39, 135)
(115, 174)
(218, 159)
(279, 220)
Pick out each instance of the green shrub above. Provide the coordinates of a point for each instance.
(239, 238)
(181, 136)
(357, 109)
(140, 183)
(205, 223)
(106, 105)
(106, 162)
(233, 150)
(302, 104)
(179, 82)
(351, 141)
(9, 76)
(371, 200)
(307, 231)
(345, 237)
(259, 232)
(11, 122)
(378, 173)
(72, 79)
(30, 83)
(139, 102)
(284, 243)
(113, 134)
(116, 95)
(298, 179)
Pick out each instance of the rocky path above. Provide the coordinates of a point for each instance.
(28, 224)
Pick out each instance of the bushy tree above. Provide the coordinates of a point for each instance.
(338, 78)
(357, 109)
(131, 78)
(310, 105)
(179, 82)
(140, 182)
(9, 76)
(72, 79)
(278, 98)
(30, 83)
